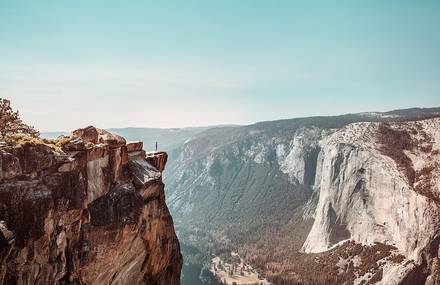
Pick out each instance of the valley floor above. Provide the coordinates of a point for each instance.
(235, 272)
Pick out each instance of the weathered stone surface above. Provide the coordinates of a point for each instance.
(122, 205)
(143, 172)
(124, 156)
(10, 165)
(28, 159)
(134, 146)
(158, 159)
(74, 144)
(97, 177)
(88, 134)
(136, 155)
(96, 152)
(112, 140)
(84, 217)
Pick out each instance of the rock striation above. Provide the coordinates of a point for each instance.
(89, 210)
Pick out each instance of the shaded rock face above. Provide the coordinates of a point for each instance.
(6, 243)
(83, 215)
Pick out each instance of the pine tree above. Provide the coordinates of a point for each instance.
(11, 124)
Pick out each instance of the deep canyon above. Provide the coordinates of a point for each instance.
(351, 199)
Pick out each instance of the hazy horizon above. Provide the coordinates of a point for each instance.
(231, 125)
(182, 64)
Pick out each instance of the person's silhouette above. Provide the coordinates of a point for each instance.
(156, 146)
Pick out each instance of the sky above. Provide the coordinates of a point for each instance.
(69, 64)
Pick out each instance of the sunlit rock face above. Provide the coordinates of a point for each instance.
(371, 191)
(81, 214)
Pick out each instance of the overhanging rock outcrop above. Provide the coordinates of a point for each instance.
(88, 210)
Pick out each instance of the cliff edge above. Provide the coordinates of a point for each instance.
(88, 209)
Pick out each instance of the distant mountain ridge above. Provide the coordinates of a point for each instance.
(170, 138)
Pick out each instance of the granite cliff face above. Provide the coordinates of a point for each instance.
(90, 210)
(379, 183)
(338, 200)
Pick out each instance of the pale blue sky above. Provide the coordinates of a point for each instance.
(66, 64)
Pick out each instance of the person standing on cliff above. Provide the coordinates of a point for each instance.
(156, 146)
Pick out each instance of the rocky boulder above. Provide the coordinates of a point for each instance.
(88, 134)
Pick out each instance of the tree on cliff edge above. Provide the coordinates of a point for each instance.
(11, 124)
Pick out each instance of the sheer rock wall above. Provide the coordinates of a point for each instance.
(91, 212)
